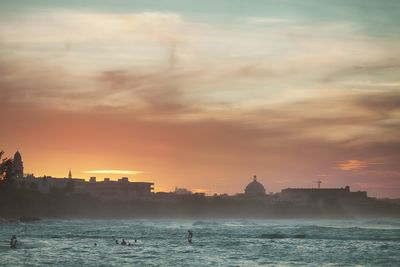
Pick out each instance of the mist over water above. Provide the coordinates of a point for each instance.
(215, 243)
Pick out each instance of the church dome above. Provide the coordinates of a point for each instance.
(255, 188)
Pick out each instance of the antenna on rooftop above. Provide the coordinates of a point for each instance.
(319, 182)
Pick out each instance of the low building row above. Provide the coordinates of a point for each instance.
(122, 189)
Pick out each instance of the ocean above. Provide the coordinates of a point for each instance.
(163, 242)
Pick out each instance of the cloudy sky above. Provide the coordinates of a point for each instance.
(205, 94)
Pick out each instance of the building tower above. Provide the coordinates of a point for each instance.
(18, 166)
(69, 174)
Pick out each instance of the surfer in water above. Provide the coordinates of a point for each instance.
(13, 241)
(123, 242)
(190, 235)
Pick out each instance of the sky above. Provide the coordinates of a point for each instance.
(205, 94)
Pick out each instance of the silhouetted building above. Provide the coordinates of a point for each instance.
(47, 183)
(309, 195)
(182, 191)
(107, 189)
(122, 189)
(254, 188)
(18, 166)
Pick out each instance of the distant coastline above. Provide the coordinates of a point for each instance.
(29, 196)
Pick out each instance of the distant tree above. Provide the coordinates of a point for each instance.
(6, 165)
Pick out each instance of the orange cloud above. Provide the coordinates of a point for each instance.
(353, 165)
(205, 120)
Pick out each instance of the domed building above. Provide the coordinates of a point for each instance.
(254, 188)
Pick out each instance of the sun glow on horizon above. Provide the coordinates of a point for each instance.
(113, 172)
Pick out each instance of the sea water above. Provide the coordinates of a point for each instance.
(52, 242)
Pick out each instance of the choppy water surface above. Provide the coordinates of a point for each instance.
(215, 243)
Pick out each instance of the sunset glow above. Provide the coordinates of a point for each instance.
(204, 96)
(113, 172)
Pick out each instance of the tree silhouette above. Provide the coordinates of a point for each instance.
(6, 168)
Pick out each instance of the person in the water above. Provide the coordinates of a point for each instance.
(116, 241)
(13, 241)
(190, 235)
(123, 242)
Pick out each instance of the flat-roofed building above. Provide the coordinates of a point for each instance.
(122, 189)
(306, 195)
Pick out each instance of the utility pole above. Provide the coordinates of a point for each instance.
(319, 182)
